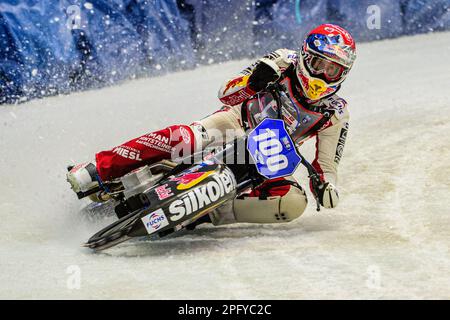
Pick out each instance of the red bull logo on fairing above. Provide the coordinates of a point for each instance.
(191, 179)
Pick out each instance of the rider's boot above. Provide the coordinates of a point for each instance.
(83, 177)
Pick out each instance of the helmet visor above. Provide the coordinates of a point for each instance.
(331, 71)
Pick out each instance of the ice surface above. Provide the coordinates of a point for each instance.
(389, 238)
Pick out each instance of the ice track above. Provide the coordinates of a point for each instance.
(389, 238)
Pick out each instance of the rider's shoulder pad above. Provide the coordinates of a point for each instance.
(338, 104)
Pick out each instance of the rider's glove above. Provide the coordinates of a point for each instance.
(328, 195)
(265, 72)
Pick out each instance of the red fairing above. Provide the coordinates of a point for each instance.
(147, 149)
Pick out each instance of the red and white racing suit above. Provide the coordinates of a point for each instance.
(326, 120)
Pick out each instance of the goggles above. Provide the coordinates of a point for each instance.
(331, 71)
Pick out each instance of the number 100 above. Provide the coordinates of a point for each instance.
(271, 147)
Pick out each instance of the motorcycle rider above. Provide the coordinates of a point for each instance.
(312, 76)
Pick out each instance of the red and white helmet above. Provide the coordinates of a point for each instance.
(325, 58)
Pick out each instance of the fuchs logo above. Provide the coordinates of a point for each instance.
(203, 196)
(155, 221)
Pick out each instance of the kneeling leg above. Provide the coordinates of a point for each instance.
(275, 201)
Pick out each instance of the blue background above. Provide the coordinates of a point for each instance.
(43, 52)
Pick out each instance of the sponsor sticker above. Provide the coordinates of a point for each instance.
(189, 180)
(306, 119)
(155, 221)
(156, 141)
(273, 150)
(237, 97)
(128, 153)
(341, 144)
(185, 135)
(238, 82)
(292, 56)
(203, 196)
(198, 128)
(287, 143)
(337, 105)
(163, 192)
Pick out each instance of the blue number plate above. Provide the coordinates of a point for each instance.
(272, 149)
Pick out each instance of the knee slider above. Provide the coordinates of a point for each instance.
(271, 209)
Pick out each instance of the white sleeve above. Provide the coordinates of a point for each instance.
(330, 146)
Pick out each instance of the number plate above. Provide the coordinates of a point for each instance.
(272, 149)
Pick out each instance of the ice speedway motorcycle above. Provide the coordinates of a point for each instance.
(163, 198)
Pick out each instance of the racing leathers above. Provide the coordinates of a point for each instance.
(279, 200)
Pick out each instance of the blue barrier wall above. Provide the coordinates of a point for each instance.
(50, 46)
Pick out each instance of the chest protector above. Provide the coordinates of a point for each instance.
(302, 119)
